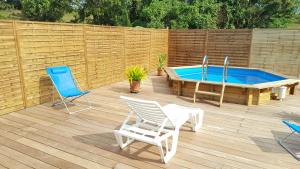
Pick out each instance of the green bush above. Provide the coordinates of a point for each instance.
(45, 10)
(136, 73)
(105, 12)
(5, 6)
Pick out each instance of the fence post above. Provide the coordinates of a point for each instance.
(250, 48)
(19, 60)
(85, 57)
(149, 60)
(167, 51)
(124, 42)
(206, 42)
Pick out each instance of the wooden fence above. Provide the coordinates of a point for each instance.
(97, 55)
(187, 47)
(276, 50)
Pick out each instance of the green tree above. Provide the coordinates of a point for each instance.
(181, 14)
(135, 12)
(257, 13)
(4, 5)
(15, 3)
(200, 14)
(45, 10)
(105, 12)
(154, 15)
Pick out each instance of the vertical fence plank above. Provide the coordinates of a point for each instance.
(124, 42)
(19, 60)
(206, 42)
(149, 55)
(250, 49)
(85, 56)
(11, 94)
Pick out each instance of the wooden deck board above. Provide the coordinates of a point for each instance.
(234, 136)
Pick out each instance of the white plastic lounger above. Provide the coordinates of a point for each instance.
(156, 125)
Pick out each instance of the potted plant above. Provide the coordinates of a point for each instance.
(161, 63)
(135, 74)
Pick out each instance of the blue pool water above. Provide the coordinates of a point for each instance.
(235, 75)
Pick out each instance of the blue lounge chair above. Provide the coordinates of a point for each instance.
(66, 86)
(295, 129)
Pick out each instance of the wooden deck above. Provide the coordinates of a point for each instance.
(234, 136)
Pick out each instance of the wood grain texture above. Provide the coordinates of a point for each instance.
(187, 47)
(46, 45)
(234, 136)
(276, 50)
(10, 80)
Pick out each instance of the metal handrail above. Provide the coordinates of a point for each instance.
(225, 69)
(204, 65)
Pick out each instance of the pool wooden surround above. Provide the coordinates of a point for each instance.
(245, 94)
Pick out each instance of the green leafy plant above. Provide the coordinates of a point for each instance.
(45, 10)
(136, 73)
(161, 60)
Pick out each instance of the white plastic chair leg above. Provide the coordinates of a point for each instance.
(169, 153)
(120, 140)
(196, 120)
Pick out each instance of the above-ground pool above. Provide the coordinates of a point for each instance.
(235, 75)
(243, 85)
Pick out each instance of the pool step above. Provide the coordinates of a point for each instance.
(201, 92)
(208, 93)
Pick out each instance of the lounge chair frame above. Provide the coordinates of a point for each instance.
(66, 100)
(154, 131)
(283, 140)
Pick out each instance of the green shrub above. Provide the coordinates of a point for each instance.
(45, 10)
(136, 73)
(5, 6)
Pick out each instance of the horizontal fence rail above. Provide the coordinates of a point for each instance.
(99, 55)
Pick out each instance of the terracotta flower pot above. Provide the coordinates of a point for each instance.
(159, 72)
(135, 86)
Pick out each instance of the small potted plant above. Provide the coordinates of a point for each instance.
(135, 75)
(161, 63)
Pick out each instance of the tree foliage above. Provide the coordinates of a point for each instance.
(4, 5)
(15, 3)
(106, 12)
(257, 13)
(228, 14)
(181, 14)
(45, 10)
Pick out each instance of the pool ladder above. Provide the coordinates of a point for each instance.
(205, 77)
